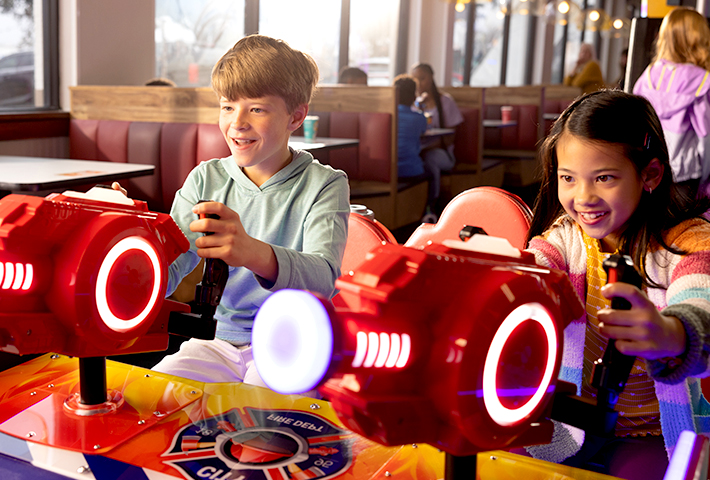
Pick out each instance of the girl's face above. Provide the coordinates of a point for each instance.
(598, 187)
(423, 79)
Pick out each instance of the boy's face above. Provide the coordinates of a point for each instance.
(257, 132)
(598, 187)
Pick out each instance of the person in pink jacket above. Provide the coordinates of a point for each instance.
(677, 85)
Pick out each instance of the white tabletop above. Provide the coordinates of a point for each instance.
(493, 123)
(321, 143)
(438, 132)
(40, 173)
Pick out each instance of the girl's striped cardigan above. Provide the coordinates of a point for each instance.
(687, 297)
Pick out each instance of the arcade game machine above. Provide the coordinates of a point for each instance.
(419, 386)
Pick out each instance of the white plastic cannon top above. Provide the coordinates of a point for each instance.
(485, 244)
(101, 194)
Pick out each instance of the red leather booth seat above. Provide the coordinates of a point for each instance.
(173, 148)
(466, 140)
(554, 106)
(523, 136)
(371, 159)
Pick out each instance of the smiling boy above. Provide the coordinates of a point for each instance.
(282, 215)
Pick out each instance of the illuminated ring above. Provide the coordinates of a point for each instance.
(107, 316)
(500, 414)
(313, 347)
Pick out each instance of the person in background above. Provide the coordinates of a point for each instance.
(160, 82)
(352, 76)
(442, 112)
(411, 125)
(623, 59)
(677, 86)
(282, 216)
(607, 187)
(586, 74)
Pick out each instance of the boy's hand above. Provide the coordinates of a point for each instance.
(117, 186)
(641, 331)
(230, 242)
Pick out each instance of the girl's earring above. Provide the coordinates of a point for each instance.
(650, 190)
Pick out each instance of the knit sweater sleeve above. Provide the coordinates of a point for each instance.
(688, 299)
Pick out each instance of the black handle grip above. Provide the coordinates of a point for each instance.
(611, 372)
(208, 292)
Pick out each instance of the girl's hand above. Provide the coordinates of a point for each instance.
(641, 331)
(230, 242)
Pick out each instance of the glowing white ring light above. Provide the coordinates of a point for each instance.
(107, 316)
(313, 346)
(500, 414)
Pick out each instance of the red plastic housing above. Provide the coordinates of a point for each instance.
(84, 277)
(485, 338)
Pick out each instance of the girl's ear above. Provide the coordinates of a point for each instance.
(651, 175)
(297, 117)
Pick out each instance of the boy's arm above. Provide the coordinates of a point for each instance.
(325, 233)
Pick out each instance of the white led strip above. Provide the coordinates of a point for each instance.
(107, 316)
(498, 412)
(16, 276)
(383, 350)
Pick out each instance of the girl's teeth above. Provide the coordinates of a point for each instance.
(593, 216)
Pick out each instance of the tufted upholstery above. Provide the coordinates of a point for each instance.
(498, 212)
(173, 148)
(523, 136)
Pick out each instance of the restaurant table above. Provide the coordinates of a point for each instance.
(438, 132)
(492, 123)
(322, 143)
(36, 174)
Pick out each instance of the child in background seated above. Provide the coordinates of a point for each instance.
(608, 187)
(411, 125)
(283, 216)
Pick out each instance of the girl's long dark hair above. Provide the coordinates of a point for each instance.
(437, 96)
(630, 122)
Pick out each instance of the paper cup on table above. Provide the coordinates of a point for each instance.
(506, 113)
(310, 128)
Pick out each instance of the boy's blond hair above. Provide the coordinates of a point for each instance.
(258, 65)
(684, 37)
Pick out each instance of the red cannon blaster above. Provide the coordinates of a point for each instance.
(85, 274)
(456, 345)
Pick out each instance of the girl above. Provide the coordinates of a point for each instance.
(438, 154)
(607, 187)
(677, 86)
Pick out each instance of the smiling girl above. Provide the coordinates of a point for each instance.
(607, 188)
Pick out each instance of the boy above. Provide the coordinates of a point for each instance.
(282, 216)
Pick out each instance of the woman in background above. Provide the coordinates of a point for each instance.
(586, 74)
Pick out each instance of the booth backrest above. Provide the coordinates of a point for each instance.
(527, 103)
(468, 145)
(176, 128)
(557, 98)
(173, 148)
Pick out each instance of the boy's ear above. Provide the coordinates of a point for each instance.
(652, 174)
(298, 116)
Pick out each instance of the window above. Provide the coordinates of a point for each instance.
(487, 45)
(312, 26)
(28, 74)
(190, 36)
(372, 45)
